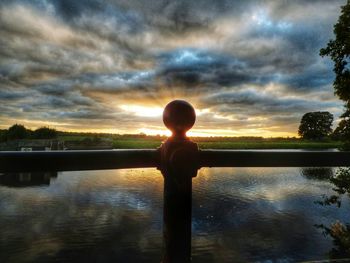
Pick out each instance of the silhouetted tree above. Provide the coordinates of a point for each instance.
(17, 131)
(316, 125)
(338, 50)
(343, 130)
(3, 135)
(45, 133)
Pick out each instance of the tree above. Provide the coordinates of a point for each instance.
(45, 133)
(16, 132)
(338, 50)
(343, 130)
(3, 135)
(316, 125)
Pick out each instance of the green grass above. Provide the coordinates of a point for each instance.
(136, 143)
(152, 142)
(269, 145)
(72, 137)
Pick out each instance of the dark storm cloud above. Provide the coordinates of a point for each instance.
(257, 57)
(191, 68)
(266, 102)
(54, 89)
(10, 95)
(69, 9)
(293, 51)
(308, 80)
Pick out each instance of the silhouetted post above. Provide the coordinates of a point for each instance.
(178, 164)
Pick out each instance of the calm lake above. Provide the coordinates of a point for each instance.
(239, 215)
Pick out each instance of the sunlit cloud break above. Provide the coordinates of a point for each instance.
(250, 68)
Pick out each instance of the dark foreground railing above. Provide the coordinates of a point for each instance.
(178, 159)
(230, 158)
(41, 161)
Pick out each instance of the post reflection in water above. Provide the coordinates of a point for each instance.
(238, 215)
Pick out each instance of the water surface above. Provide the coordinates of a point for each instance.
(239, 215)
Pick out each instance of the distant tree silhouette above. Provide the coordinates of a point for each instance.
(3, 135)
(17, 131)
(338, 50)
(45, 133)
(343, 130)
(316, 125)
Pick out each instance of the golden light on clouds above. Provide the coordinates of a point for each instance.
(142, 111)
(247, 67)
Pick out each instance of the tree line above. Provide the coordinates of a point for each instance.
(313, 126)
(19, 132)
(318, 126)
(338, 49)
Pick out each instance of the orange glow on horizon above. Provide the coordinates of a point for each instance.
(157, 130)
(150, 117)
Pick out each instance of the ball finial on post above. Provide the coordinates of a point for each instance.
(179, 116)
(178, 162)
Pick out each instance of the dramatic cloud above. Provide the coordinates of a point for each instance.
(250, 67)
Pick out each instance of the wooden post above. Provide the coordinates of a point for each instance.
(178, 164)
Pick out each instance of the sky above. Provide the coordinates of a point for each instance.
(250, 68)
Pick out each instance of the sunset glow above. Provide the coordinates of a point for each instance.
(142, 111)
(249, 68)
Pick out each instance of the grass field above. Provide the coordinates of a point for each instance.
(152, 142)
(141, 143)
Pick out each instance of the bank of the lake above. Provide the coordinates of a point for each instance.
(95, 142)
(137, 141)
(230, 144)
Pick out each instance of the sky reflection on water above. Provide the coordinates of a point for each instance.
(239, 214)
